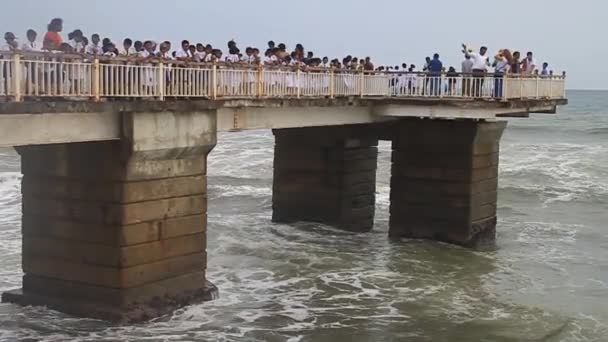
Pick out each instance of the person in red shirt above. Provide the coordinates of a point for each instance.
(52, 39)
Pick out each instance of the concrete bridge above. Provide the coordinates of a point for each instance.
(114, 166)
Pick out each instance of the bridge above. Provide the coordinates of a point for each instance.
(114, 162)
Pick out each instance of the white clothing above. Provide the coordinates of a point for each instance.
(479, 62)
(166, 55)
(231, 58)
(270, 60)
(109, 54)
(127, 53)
(183, 54)
(94, 50)
(502, 66)
(31, 46)
(530, 66)
(77, 46)
(7, 47)
(467, 66)
(249, 59)
(199, 56)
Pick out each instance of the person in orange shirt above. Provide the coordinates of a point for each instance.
(52, 39)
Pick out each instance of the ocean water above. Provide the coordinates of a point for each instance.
(547, 281)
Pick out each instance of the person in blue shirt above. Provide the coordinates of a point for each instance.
(435, 68)
(545, 71)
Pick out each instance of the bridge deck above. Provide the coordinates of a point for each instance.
(70, 99)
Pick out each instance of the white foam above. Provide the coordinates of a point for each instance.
(559, 172)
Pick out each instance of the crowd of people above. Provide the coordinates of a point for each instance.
(475, 64)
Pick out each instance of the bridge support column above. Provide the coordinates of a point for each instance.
(326, 175)
(117, 230)
(444, 181)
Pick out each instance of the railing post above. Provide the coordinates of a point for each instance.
(441, 81)
(504, 87)
(17, 77)
(564, 83)
(258, 81)
(298, 74)
(161, 81)
(214, 83)
(332, 83)
(362, 83)
(537, 87)
(521, 87)
(550, 87)
(96, 80)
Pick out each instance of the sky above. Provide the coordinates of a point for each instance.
(568, 34)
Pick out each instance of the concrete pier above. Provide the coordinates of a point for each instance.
(117, 230)
(444, 181)
(327, 175)
(115, 192)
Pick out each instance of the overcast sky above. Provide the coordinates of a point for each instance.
(568, 34)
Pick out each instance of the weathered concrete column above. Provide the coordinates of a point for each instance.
(444, 181)
(327, 175)
(117, 230)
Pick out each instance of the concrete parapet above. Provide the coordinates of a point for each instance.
(444, 181)
(327, 175)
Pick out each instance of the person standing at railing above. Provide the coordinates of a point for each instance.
(145, 72)
(230, 80)
(128, 52)
(545, 71)
(528, 65)
(199, 53)
(369, 66)
(7, 72)
(467, 71)
(502, 64)
(76, 40)
(184, 53)
(127, 48)
(516, 63)
(435, 68)
(192, 49)
(32, 44)
(425, 68)
(325, 63)
(480, 64)
(452, 77)
(33, 73)
(208, 54)
(11, 43)
(52, 39)
(412, 80)
(95, 47)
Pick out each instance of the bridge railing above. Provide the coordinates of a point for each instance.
(25, 76)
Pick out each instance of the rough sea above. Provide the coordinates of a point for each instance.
(547, 281)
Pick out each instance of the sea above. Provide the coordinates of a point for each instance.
(547, 280)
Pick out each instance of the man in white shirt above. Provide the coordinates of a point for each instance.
(31, 44)
(127, 48)
(199, 54)
(528, 64)
(467, 70)
(95, 47)
(77, 41)
(480, 63)
(184, 53)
